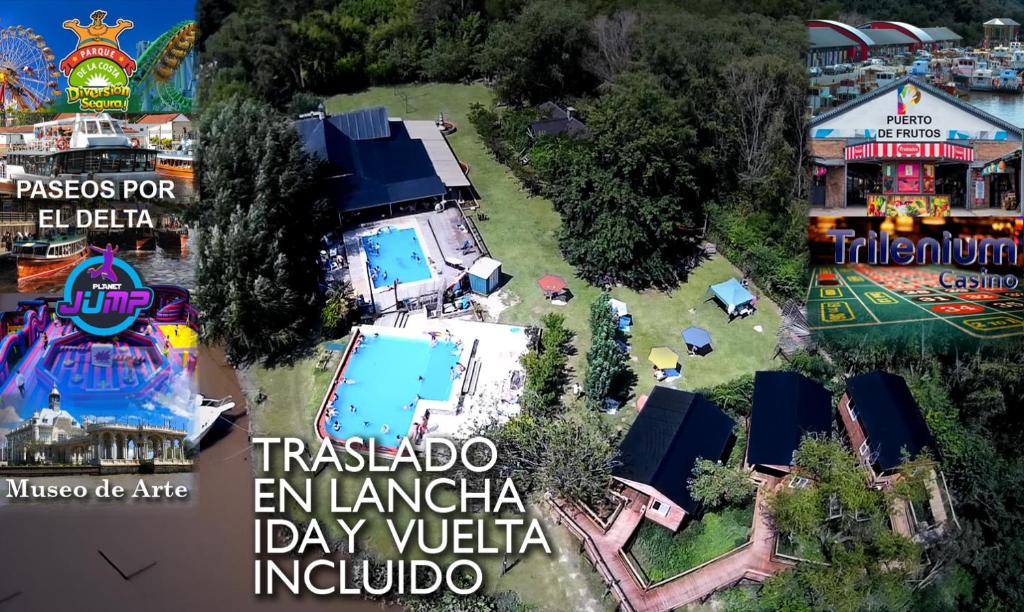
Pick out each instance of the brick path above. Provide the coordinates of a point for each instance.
(754, 562)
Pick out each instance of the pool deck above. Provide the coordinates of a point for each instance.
(441, 236)
(497, 350)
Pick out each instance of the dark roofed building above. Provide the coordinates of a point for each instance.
(374, 162)
(883, 422)
(943, 38)
(889, 42)
(1001, 31)
(557, 120)
(674, 430)
(787, 407)
(829, 47)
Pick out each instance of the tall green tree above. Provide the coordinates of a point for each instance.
(538, 55)
(579, 455)
(717, 485)
(605, 362)
(257, 274)
(546, 368)
(869, 567)
(627, 200)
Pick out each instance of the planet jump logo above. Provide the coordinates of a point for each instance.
(907, 95)
(98, 70)
(104, 295)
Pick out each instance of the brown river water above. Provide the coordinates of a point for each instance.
(194, 555)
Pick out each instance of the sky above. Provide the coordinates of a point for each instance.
(152, 18)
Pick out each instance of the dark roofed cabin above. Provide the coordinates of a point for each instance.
(373, 160)
(556, 120)
(674, 430)
(883, 421)
(787, 407)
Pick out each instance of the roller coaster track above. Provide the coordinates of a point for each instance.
(157, 65)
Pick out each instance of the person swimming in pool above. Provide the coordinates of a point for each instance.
(385, 428)
(366, 424)
(106, 269)
(336, 426)
(352, 408)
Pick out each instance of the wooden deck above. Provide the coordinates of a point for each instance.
(755, 562)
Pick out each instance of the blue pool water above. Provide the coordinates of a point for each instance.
(383, 380)
(395, 254)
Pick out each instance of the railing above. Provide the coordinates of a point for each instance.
(8, 216)
(474, 232)
(594, 555)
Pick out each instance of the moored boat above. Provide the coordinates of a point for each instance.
(172, 238)
(207, 413)
(981, 80)
(145, 242)
(963, 67)
(176, 165)
(84, 147)
(48, 258)
(1006, 80)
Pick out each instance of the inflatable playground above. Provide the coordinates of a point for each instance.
(144, 375)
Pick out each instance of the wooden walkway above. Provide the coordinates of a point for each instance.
(754, 562)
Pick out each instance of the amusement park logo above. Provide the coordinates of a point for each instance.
(98, 70)
(907, 95)
(104, 295)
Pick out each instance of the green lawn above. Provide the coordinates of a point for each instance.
(521, 232)
(562, 581)
(663, 554)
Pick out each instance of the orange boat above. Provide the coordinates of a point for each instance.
(145, 243)
(49, 257)
(179, 165)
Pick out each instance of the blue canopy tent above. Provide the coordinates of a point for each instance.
(698, 340)
(625, 320)
(736, 300)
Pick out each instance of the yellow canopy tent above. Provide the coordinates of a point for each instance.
(663, 358)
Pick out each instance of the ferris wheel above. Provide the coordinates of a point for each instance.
(28, 70)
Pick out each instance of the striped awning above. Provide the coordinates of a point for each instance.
(909, 150)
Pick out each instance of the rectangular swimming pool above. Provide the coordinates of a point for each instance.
(383, 380)
(395, 254)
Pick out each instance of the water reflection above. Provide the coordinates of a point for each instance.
(1008, 107)
(157, 267)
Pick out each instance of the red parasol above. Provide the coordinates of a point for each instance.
(552, 283)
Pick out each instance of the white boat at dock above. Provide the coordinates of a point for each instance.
(84, 147)
(1006, 80)
(206, 415)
